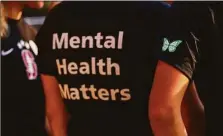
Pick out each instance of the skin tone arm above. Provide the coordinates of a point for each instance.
(193, 112)
(47, 126)
(53, 4)
(165, 101)
(13, 10)
(55, 109)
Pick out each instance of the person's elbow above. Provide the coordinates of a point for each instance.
(162, 113)
(54, 104)
(167, 92)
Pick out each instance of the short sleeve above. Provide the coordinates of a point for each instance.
(178, 46)
(46, 56)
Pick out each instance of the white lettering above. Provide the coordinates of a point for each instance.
(72, 68)
(74, 42)
(93, 93)
(103, 94)
(120, 39)
(110, 42)
(61, 67)
(98, 40)
(74, 95)
(125, 93)
(93, 66)
(102, 67)
(84, 68)
(59, 43)
(90, 41)
(64, 91)
(84, 90)
(112, 65)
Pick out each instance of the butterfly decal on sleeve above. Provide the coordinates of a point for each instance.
(171, 47)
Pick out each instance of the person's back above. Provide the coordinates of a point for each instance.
(104, 56)
(104, 101)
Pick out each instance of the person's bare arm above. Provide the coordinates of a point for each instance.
(55, 108)
(165, 101)
(48, 127)
(52, 4)
(193, 112)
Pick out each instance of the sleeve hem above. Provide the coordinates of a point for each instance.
(187, 73)
(47, 73)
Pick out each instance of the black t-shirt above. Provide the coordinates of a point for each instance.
(205, 20)
(210, 67)
(197, 18)
(104, 56)
(213, 94)
(23, 107)
(215, 108)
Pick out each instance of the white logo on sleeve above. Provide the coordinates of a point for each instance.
(28, 45)
(28, 58)
(171, 47)
(5, 53)
(30, 64)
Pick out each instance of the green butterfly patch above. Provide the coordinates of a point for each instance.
(171, 47)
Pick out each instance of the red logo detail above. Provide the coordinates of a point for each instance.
(30, 64)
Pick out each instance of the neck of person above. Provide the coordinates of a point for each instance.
(13, 11)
